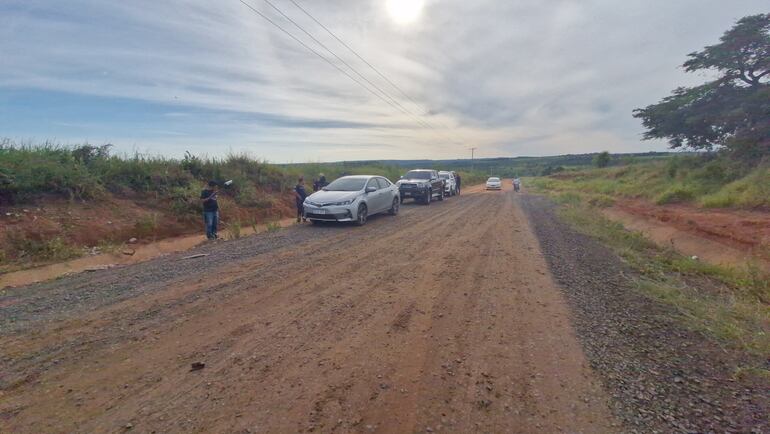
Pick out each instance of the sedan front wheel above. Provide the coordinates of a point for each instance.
(362, 215)
(394, 208)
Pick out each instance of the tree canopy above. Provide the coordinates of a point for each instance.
(602, 159)
(731, 112)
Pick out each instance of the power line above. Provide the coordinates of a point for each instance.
(392, 103)
(387, 95)
(372, 67)
(317, 53)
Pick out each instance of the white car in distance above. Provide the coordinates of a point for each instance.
(494, 183)
(450, 183)
(353, 199)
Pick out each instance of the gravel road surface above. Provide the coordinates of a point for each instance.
(663, 377)
(445, 318)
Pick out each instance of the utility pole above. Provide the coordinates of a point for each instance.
(473, 150)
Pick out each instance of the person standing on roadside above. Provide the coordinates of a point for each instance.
(516, 184)
(210, 210)
(457, 181)
(299, 195)
(322, 181)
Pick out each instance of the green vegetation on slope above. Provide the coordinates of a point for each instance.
(705, 180)
(89, 172)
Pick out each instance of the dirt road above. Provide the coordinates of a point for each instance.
(444, 318)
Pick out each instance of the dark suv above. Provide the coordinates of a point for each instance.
(421, 185)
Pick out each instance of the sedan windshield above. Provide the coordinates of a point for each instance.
(347, 184)
(493, 180)
(417, 174)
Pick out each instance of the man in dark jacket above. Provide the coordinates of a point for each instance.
(210, 210)
(300, 194)
(457, 180)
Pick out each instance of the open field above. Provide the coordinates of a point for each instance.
(446, 318)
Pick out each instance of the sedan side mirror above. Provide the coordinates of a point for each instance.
(370, 189)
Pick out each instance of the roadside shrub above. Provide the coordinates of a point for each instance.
(752, 191)
(675, 194)
(39, 248)
(184, 201)
(234, 229)
(147, 226)
(273, 226)
(601, 201)
(569, 198)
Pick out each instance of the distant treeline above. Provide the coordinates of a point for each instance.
(483, 167)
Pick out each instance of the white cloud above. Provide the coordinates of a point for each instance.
(513, 78)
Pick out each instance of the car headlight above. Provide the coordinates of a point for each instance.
(343, 203)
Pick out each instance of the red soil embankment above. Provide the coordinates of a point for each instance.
(720, 236)
(73, 228)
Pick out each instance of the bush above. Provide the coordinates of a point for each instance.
(147, 226)
(38, 247)
(752, 191)
(602, 159)
(234, 229)
(273, 226)
(675, 194)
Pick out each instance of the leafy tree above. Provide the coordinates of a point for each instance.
(602, 159)
(731, 112)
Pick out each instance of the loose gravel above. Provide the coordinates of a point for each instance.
(23, 306)
(663, 377)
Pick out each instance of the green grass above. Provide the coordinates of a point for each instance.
(730, 304)
(234, 230)
(39, 248)
(707, 181)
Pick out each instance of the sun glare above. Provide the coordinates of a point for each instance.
(405, 11)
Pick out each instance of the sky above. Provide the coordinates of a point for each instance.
(508, 77)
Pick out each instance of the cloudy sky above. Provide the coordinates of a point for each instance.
(510, 77)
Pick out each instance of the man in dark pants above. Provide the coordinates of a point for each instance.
(300, 194)
(210, 210)
(457, 180)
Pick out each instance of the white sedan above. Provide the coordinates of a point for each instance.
(353, 199)
(494, 183)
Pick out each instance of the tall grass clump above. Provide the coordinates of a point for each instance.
(708, 180)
